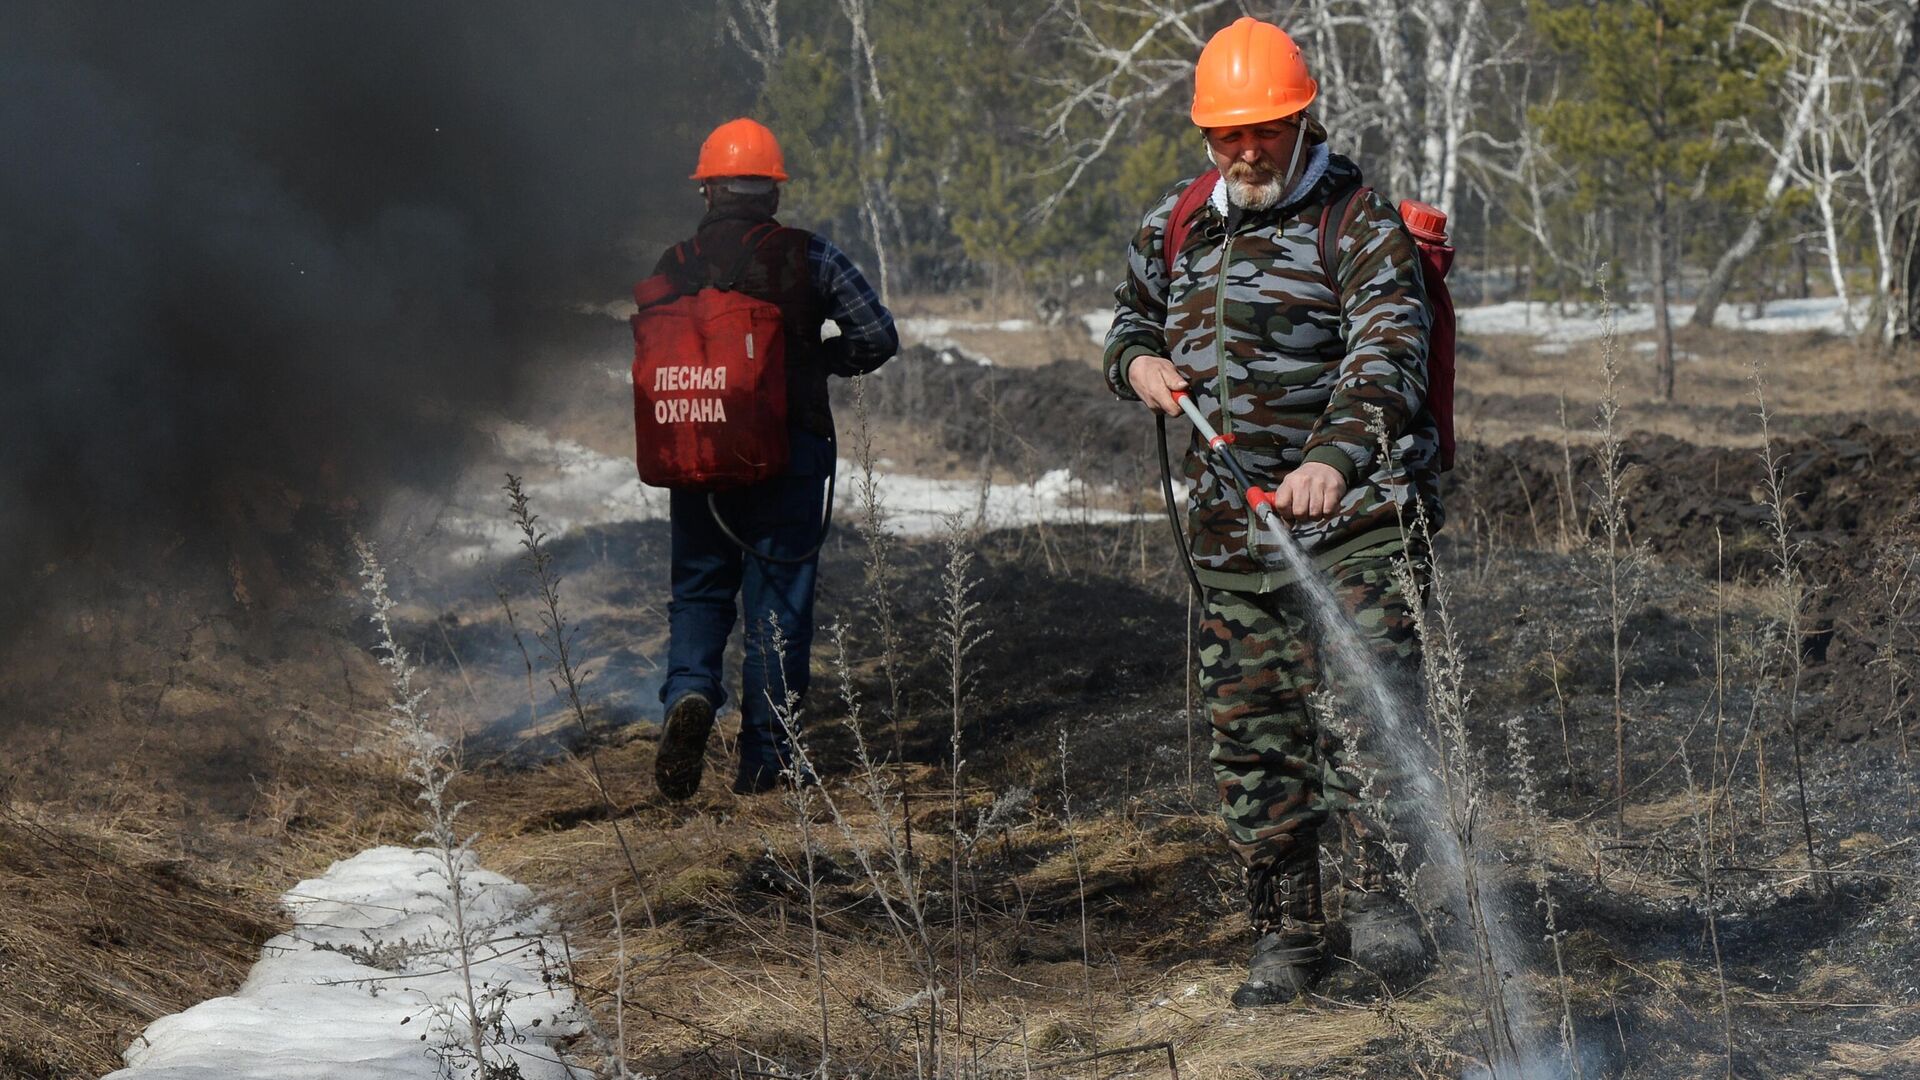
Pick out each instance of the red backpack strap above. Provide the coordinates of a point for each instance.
(749, 248)
(1180, 222)
(1338, 213)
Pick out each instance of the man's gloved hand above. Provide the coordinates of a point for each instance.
(839, 359)
(1313, 490)
(1155, 379)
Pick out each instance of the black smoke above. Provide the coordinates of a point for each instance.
(275, 252)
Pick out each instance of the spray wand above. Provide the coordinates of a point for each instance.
(1260, 501)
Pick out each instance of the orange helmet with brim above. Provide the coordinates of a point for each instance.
(1250, 73)
(742, 147)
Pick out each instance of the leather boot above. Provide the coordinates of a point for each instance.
(1383, 927)
(682, 753)
(1290, 947)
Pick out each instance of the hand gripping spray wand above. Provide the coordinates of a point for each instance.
(1259, 501)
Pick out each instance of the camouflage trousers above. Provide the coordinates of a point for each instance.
(1282, 772)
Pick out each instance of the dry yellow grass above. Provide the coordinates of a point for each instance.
(719, 966)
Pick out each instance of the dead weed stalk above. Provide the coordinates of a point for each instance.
(960, 634)
(1620, 558)
(880, 574)
(431, 765)
(1791, 596)
(557, 638)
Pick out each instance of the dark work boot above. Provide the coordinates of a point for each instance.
(1383, 927)
(756, 776)
(1290, 951)
(683, 746)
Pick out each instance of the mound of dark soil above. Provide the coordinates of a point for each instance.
(1851, 508)
(1028, 420)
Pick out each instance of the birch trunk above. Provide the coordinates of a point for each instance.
(1453, 43)
(1396, 75)
(1715, 289)
(1823, 197)
(1903, 314)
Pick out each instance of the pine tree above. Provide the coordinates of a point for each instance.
(1657, 75)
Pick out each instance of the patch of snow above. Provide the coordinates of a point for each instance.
(572, 486)
(1649, 347)
(1097, 324)
(1553, 348)
(1789, 316)
(948, 351)
(921, 506)
(569, 485)
(1543, 320)
(921, 328)
(363, 975)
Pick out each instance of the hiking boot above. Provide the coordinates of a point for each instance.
(683, 746)
(1290, 951)
(760, 777)
(1382, 927)
(1284, 966)
(1385, 934)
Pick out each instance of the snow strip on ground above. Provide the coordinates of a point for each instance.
(572, 486)
(1543, 320)
(922, 328)
(363, 975)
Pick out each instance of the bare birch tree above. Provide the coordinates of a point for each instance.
(1123, 75)
(1800, 95)
(754, 26)
(1903, 321)
(877, 207)
(1875, 132)
(1402, 72)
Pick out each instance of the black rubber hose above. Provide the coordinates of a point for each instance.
(1233, 466)
(1173, 516)
(826, 527)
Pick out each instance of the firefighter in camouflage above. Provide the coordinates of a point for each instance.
(1300, 360)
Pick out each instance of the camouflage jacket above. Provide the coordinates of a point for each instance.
(1288, 369)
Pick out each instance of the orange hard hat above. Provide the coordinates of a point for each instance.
(1250, 73)
(741, 147)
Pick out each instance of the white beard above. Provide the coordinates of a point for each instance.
(1251, 196)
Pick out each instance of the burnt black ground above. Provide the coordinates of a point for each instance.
(1098, 655)
(1088, 645)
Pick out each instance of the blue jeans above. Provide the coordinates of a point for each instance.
(779, 517)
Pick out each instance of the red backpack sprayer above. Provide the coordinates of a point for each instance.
(710, 390)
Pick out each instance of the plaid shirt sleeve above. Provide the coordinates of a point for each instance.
(865, 324)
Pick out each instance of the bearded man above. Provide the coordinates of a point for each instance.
(1289, 305)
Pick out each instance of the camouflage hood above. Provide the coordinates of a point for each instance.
(1289, 367)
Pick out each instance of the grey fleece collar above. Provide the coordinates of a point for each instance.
(1317, 157)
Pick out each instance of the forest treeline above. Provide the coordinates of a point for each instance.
(1709, 150)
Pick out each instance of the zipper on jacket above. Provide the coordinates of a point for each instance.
(1223, 384)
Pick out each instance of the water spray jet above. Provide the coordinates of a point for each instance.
(1440, 783)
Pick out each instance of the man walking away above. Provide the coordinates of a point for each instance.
(739, 245)
(1294, 314)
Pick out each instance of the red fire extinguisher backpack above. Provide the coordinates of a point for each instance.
(1428, 227)
(709, 383)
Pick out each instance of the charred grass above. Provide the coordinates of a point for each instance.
(168, 776)
(720, 970)
(171, 775)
